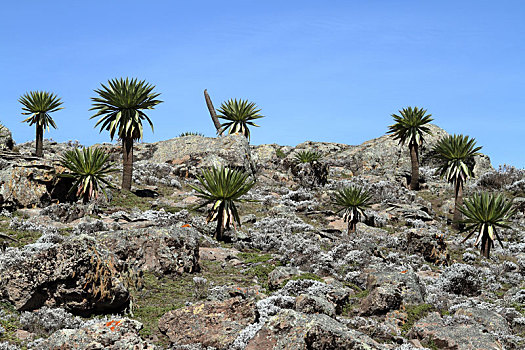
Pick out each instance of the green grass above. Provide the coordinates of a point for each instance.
(23, 237)
(354, 300)
(280, 154)
(128, 201)
(253, 258)
(10, 321)
(414, 314)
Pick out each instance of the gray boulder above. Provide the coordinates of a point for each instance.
(113, 334)
(188, 154)
(173, 250)
(77, 275)
(6, 139)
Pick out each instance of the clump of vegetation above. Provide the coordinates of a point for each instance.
(502, 179)
(37, 105)
(308, 156)
(120, 106)
(411, 126)
(89, 168)
(414, 314)
(190, 133)
(456, 157)
(253, 258)
(485, 212)
(223, 187)
(352, 201)
(239, 114)
(355, 299)
(280, 154)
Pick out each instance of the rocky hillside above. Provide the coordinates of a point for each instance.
(141, 270)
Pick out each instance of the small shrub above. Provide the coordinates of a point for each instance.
(280, 154)
(190, 133)
(200, 285)
(308, 156)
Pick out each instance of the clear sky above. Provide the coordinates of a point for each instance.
(320, 70)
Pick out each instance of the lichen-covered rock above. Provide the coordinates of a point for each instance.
(291, 330)
(187, 155)
(213, 323)
(428, 242)
(412, 292)
(453, 334)
(281, 273)
(116, 334)
(381, 299)
(336, 295)
(309, 304)
(312, 174)
(161, 250)
(27, 181)
(77, 275)
(67, 212)
(6, 138)
(48, 320)
(154, 174)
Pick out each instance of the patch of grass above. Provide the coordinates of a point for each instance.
(504, 288)
(252, 258)
(262, 271)
(10, 322)
(23, 237)
(128, 200)
(354, 300)
(414, 314)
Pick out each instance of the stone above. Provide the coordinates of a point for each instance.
(214, 323)
(430, 243)
(292, 330)
(187, 155)
(27, 181)
(6, 138)
(313, 174)
(458, 335)
(77, 275)
(280, 274)
(113, 334)
(309, 304)
(381, 299)
(173, 250)
(408, 283)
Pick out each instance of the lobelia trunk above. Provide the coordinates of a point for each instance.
(39, 141)
(486, 243)
(213, 115)
(219, 232)
(414, 159)
(127, 163)
(352, 226)
(458, 203)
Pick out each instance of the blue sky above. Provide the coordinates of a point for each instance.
(320, 70)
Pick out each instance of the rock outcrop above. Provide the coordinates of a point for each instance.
(164, 251)
(114, 334)
(27, 181)
(77, 275)
(216, 323)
